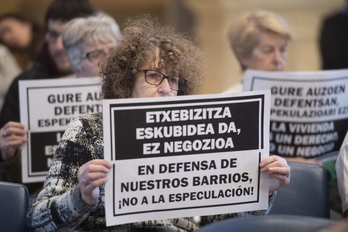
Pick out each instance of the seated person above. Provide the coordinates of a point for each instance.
(73, 194)
(259, 41)
(87, 40)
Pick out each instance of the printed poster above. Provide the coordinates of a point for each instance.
(185, 156)
(309, 110)
(47, 107)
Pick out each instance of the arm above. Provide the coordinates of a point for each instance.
(342, 174)
(59, 205)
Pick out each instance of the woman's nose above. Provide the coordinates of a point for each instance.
(164, 87)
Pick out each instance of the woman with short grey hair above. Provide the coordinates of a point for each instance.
(264, 29)
(87, 40)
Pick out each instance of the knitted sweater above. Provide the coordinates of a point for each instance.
(59, 206)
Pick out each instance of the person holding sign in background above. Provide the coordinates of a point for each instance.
(150, 61)
(87, 40)
(259, 41)
(51, 63)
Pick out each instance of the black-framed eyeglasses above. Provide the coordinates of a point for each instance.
(154, 77)
(94, 56)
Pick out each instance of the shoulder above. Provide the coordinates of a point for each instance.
(36, 72)
(237, 88)
(94, 121)
(4, 50)
(88, 125)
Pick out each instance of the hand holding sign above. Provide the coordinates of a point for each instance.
(278, 171)
(91, 175)
(12, 136)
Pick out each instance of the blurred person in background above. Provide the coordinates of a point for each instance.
(9, 69)
(259, 41)
(22, 36)
(87, 41)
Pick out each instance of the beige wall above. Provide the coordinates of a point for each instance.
(207, 20)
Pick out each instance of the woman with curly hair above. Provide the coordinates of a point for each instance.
(150, 61)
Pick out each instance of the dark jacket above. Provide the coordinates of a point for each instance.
(333, 41)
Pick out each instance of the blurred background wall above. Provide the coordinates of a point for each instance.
(207, 22)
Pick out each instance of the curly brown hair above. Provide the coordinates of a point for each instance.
(179, 56)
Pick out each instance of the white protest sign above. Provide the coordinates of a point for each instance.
(309, 110)
(47, 107)
(185, 156)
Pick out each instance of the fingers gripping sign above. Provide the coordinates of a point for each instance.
(91, 175)
(278, 171)
(12, 137)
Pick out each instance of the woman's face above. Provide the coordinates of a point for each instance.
(15, 34)
(143, 89)
(269, 55)
(92, 54)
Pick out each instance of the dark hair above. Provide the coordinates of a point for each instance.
(37, 30)
(66, 10)
(179, 56)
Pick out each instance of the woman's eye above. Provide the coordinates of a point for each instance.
(173, 79)
(152, 75)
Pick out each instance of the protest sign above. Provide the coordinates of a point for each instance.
(185, 156)
(47, 107)
(309, 110)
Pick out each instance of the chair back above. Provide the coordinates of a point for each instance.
(306, 195)
(270, 223)
(14, 203)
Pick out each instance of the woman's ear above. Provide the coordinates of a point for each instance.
(242, 58)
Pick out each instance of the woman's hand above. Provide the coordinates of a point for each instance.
(278, 171)
(91, 175)
(12, 135)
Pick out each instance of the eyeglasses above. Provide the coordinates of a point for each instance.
(153, 77)
(94, 56)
